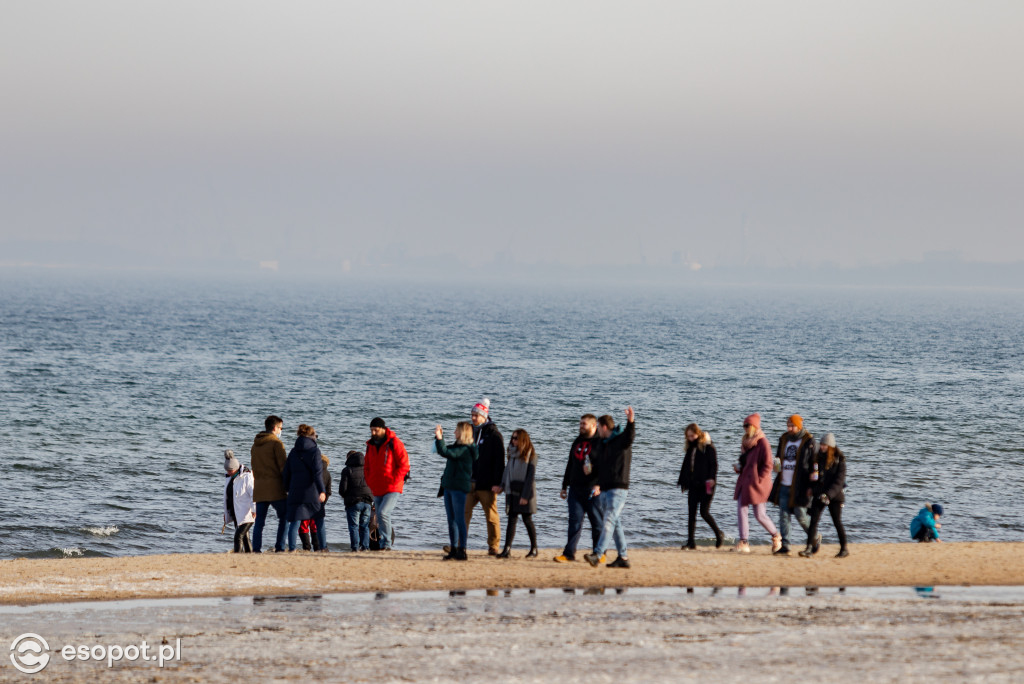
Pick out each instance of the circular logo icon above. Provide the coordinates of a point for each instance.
(30, 653)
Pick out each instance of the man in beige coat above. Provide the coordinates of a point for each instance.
(267, 458)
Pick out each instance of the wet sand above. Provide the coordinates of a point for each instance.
(29, 581)
(668, 635)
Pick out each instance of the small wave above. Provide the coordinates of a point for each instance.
(70, 551)
(101, 531)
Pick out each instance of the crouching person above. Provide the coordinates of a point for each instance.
(239, 508)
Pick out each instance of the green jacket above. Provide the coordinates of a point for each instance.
(458, 471)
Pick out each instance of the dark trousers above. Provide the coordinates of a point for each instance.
(510, 531)
(835, 509)
(262, 508)
(925, 534)
(580, 503)
(702, 500)
(242, 544)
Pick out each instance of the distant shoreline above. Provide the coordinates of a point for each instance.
(41, 581)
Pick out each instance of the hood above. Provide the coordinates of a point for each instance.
(615, 433)
(305, 444)
(354, 460)
(264, 437)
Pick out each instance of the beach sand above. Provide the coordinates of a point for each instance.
(29, 581)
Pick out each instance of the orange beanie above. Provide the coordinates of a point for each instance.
(797, 420)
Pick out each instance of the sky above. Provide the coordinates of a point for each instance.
(365, 136)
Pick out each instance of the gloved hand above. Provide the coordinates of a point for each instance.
(824, 499)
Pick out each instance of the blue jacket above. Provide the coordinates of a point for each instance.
(924, 519)
(304, 479)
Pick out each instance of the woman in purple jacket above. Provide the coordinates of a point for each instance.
(754, 485)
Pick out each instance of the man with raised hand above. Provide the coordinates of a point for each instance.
(614, 458)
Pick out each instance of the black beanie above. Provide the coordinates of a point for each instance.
(377, 423)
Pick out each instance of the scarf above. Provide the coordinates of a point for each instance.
(749, 442)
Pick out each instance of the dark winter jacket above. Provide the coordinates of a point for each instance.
(614, 458)
(353, 487)
(582, 448)
(459, 466)
(490, 465)
(303, 478)
(699, 465)
(831, 481)
(804, 458)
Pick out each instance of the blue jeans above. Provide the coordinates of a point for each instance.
(385, 504)
(262, 508)
(359, 526)
(580, 503)
(785, 522)
(611, 502)
(293, 533)
(455, 509)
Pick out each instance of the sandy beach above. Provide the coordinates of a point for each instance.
(30, 581)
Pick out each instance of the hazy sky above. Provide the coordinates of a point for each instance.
(574, 132)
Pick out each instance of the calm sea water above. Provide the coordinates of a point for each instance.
(119, 395)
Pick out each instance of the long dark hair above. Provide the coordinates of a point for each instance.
(525, 446)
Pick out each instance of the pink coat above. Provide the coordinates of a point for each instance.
(754, 484)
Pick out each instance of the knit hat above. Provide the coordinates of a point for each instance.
(829, 440)
(936, 509)
(377, 423)
(483, 407)
(231, 463)
(753, 419)
(797, 419)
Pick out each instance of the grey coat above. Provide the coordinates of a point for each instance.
(518, 482)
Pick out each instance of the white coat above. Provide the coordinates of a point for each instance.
(245, 507)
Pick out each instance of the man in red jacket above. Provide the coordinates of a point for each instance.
(385, 468)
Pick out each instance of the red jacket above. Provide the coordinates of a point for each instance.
(755, 481)
(386, 466)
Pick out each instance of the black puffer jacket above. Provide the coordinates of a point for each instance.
(490, 465)
(353, 487)
(614, 459)
(699, 465)
(832, 480)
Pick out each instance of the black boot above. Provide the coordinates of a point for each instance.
(690, 545)
(461, 554)
(306, 545)
(843, 553)
(532, 553)
(504, 553)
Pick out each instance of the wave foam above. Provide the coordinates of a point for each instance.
(101, 531)
(70, 551)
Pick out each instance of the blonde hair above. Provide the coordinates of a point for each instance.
(464, 433)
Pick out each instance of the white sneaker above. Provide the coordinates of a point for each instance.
(741, 547)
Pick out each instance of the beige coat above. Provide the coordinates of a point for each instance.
(267, 462)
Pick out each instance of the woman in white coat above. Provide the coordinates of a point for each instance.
(239, 507)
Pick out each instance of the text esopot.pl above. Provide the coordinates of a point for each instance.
(30, 653)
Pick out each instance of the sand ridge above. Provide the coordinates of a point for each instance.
(30, 581)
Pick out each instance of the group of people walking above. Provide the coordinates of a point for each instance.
(803, 478)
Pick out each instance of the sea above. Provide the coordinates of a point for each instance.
(120, 392)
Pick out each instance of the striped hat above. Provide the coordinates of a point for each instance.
(483, 407)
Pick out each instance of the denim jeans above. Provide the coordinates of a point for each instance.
(385, 504)
(580, 504)
(612, 501)
(293, 533)
(262, 508)
(359, 526)
(455, 509)
(785, 521)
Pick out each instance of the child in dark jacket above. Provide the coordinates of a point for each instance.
(358, 501)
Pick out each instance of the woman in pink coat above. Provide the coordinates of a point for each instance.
(754, 484)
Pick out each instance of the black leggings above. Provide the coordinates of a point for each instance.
(242, 542)
(510, 533)
(835, 509)
(703, 500)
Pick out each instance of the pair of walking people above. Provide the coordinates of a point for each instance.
(596, 485)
